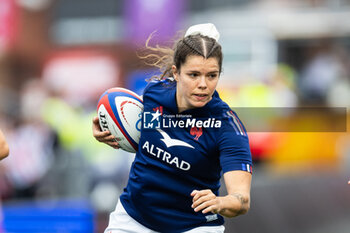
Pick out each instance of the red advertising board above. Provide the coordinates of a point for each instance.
(8, 24)
(80, 76)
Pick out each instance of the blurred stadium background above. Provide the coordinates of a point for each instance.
(58, 56)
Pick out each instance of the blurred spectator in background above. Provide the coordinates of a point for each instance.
(321, 72)
(31, 143)
(339, 92)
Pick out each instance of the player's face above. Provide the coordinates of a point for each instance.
(196, 81)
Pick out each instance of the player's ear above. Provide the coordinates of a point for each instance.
(175, 72)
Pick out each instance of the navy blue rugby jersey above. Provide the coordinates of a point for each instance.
(178, 153)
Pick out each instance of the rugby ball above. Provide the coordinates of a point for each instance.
(120, 110)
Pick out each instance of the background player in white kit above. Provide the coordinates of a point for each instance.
(162, 197)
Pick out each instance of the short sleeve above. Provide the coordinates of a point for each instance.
(233, 145)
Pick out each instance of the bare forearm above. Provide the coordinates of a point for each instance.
(234, 204)
(237, 201)
(4, 148)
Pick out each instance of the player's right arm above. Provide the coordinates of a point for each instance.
(103, 136)
(4, 148)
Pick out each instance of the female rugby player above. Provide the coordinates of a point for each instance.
(175, 177)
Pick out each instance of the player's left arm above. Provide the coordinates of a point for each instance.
(235, 203)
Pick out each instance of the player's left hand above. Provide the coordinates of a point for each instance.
(206, 201)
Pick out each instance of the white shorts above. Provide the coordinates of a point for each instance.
(121, 222)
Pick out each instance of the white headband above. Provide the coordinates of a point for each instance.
(206, 29)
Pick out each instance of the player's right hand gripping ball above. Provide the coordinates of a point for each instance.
(120, 110)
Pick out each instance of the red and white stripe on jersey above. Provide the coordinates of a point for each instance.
(237, 124)
(247, 167)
